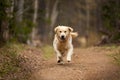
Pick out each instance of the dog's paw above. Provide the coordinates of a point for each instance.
(58, 61)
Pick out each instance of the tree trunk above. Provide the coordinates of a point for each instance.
(20, 10)
(87, 19)
(34, 30)
(47, 14)
(53, 16)
(4, 30)
(87, 15)
(34, 38)
(99, 19)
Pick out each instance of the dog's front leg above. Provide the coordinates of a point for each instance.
(59, 56)
(69, 54)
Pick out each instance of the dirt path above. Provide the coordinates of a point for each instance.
(87, 64)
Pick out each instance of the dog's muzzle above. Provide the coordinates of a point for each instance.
(62, 37)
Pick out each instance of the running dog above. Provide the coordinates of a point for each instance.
(62, 42)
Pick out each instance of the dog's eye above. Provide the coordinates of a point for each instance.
(65, 31)
(60, 31)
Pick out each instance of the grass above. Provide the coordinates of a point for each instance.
(10, 61)
(115, 52)
(47, 51)
(116, 56)
(110, 47)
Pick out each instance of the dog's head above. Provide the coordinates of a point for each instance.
(63, 32)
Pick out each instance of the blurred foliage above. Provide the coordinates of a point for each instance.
(21, 30)
(18, 31)
(111, 18)
(3, 5)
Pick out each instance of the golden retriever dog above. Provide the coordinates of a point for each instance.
(62, 42)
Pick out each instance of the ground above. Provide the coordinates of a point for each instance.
(87, 64)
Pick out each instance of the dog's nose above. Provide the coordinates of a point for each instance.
(62, 37)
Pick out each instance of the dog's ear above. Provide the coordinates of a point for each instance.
(56, 29)
(70, 29)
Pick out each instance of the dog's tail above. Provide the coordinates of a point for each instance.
(74, 34)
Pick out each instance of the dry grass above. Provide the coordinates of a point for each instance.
(10, 62)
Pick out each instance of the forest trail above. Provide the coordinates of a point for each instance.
(87, 64)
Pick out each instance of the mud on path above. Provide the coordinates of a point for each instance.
(87, 64)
